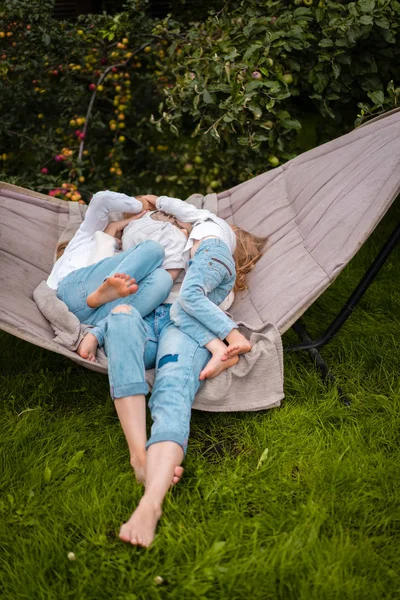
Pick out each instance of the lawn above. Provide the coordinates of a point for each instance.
(299, 502)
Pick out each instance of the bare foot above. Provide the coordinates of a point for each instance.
(238, 344)
(141, 527)
(88, 347)
(116, 286)
(216, 365)
(177, 475)
(138, 463)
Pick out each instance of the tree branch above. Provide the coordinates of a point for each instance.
(91, 103)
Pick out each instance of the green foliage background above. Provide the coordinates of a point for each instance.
(186, 106)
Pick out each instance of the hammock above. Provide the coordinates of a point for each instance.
(317, 210)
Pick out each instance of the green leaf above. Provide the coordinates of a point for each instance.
(377, 97)
(263, 458)
(46, 39)
(326, 43)
(383, 23)
(302, 11)
(75, 460)
(47, 474)
(319, 14)
(207, 98)
(255, 109)
(366, 6)
(388, 36)
(291, 124)
(336, 70)
(217, 547)
(353, 9)
(251, 50)
(273, 86)
(253, 85)
(366, 20)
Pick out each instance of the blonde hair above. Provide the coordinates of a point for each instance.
(60, 249)
(248, 252)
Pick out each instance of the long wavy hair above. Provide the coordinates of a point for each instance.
(249, 249)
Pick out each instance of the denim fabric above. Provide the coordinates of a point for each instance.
(142, 262)
(133, 344)
(210, 277)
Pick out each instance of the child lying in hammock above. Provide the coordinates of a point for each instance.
(91, 287)
(209, 248)
(214, 251)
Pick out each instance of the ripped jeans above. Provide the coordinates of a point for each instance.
(210, 277)
(143, 262)
(133, 344)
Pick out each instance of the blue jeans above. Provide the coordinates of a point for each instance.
(132, 345)
(210, 277)
(143, 262)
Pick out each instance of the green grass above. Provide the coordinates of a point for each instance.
(319, 517)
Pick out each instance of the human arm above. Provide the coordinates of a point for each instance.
(102, 203)
(183, 211)
(107, 242)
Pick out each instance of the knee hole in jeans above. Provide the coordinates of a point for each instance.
(122, 308)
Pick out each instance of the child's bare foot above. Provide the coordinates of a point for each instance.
(138, 463)
(177, 475)
(116, 286)
(216, 365)
(238, 344)
(88, 347)
(141, 527)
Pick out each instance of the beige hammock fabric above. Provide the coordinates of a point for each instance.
(317, 210)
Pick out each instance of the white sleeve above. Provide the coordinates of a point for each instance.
(102, 203)
(105, 246)
(183, 211)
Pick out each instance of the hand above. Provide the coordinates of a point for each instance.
(117, 226)
(149, 200)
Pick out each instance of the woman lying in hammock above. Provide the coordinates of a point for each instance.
(140, 344)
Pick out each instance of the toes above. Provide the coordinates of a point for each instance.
(124, 534)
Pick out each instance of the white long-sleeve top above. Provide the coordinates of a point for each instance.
(176, 245)
(205, 223)
(171, 238)
(80, 249)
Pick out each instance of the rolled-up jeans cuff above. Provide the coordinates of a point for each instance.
(129, 389)
(205, 339)
(227, 331)
(168, 436)
(99, 335)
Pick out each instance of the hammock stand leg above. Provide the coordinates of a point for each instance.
(307, 343)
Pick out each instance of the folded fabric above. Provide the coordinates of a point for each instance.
(254, 383)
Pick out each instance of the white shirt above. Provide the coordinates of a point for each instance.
(171, 238)
(205, 223)
(79, 251)
(174, 241)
